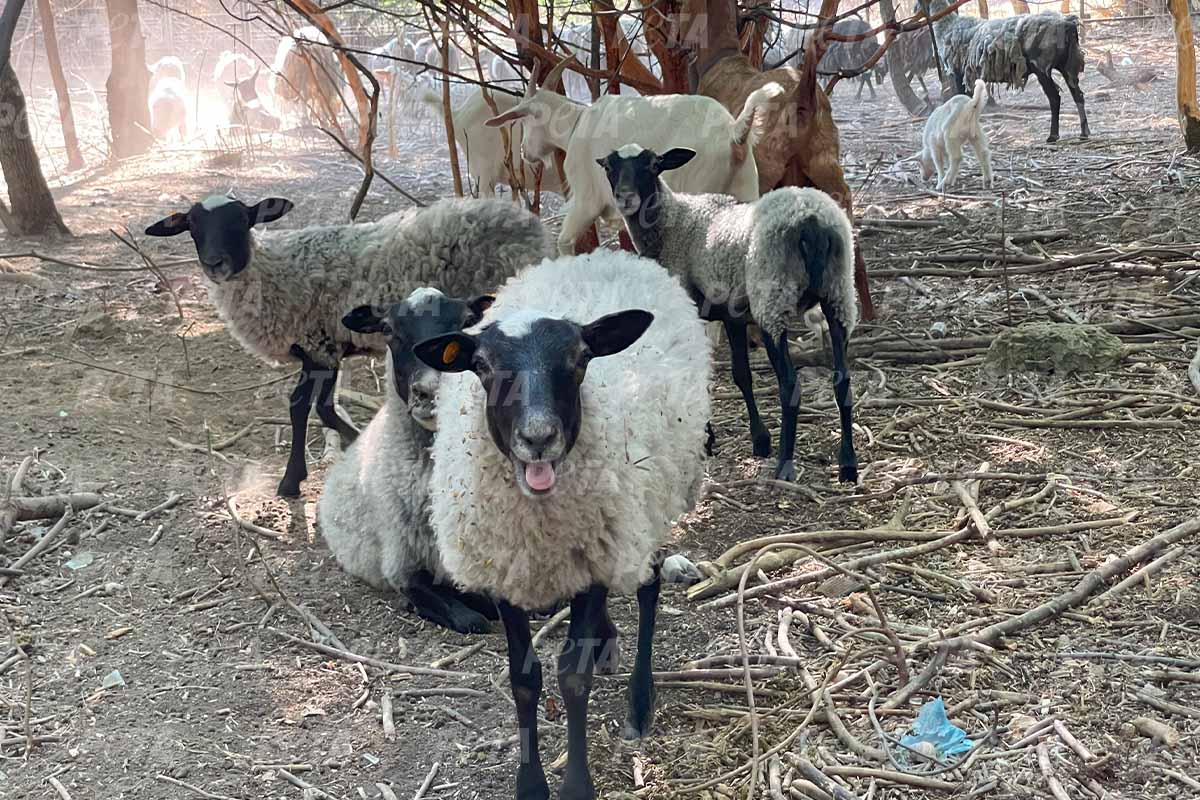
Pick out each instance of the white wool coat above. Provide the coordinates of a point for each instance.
(374, 509)
(635, 466)
(740, 254)
(299, 284)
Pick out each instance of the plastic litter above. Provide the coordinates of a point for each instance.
(933, 727)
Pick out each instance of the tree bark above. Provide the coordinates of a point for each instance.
(1185, 75)
(663, 25)
(65, 115)
(619, 50)
(1020, 7)
(128, 84)
(983, 9)
(33, 212)
(8, 26)
(897, 71)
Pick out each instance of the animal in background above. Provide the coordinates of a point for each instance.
(952, 125)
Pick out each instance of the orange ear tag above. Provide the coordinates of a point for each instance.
(450, 353)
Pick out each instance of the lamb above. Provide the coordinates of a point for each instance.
(307, 78)
(483, 146)
(750, 262)
(167, 67)
(283, 294)
(725, 164)
(168, 108)
(1009, 50)
(567, 488)
(953, 124)
(373, 511)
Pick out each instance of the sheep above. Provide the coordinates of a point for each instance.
(283, 294)
(167, 67)
(483, 147)
(750, 262)
(1009, 50)
(373, 511)
(168, 108)
(799, 145)
(911, 56)
(850, 56)
(307, 77)
(953, 124)
(584, 133)
(560, 464)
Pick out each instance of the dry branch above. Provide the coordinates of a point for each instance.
(22, 509)
(371, 662)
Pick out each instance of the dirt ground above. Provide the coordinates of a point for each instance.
(107, 382)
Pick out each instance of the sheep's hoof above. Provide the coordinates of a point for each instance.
(288, 488)
(638, 723)
(467, 621)
(1052, 138)
(1083, 137)
(762, 444)
(786, 471)
(848, 473)
(531, 783)
(577, 787)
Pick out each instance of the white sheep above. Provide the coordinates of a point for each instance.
(952, 125)
(724, 162)
(283, 294)
(167, 67)
(559, 466)
(482, 147)
(789, 251)
(373, 511)
(168, 108)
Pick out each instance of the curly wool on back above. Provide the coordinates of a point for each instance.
(299, 284)
(636, 464)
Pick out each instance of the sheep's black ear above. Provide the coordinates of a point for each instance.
(170, 226)
(603, 162)
(450, 352)
(366, 319)
(269, 210)
(612, 333)
(674, 158)
(480, 304)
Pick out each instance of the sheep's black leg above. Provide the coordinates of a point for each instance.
(1077, 95)
(481, 604)
(735, 331)
(442, 605)
(326, 399)
(575, 668)
(641, 682)
(789, 401)
(300, 405)
(525, 677)
(847, 460)
(608, 644)
(1055, 98)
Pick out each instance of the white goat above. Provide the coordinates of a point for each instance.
(168, 108)
(950, 126)
(482, 147)
(724, 163)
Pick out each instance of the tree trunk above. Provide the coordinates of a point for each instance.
(983, 9)
(1020, 7)
(33, 211)
(897, 71)
(1185, 75)
(65, 115)
(128, 84)
(663, 25)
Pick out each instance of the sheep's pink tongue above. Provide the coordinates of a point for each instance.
(539, 475)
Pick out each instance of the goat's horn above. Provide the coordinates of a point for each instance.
(556, 73)
(532, 86)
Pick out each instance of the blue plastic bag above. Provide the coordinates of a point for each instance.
(934, 727)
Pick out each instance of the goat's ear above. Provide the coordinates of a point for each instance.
(480, 304)
(366, 319)
(170, 226)
(516, 112)
(269, 210)
(450, 352)
(674, 158)
(612, 333)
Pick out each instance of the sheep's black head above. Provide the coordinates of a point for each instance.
(632, 173)
(531, 367)
(220, 227)
(425, 314)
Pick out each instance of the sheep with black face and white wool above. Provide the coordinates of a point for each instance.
(790, 250)
(850, 56)
(560, 464)
(374, 508)
(724, 144)
(283, 294)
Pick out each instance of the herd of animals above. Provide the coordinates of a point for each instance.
(546, 414)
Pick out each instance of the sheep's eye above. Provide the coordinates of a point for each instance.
(580, 370)
(481, 367)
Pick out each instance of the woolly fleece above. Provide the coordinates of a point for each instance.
(636, 464)
(299, 284)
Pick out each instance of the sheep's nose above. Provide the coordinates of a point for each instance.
(422, 394)
(537, 439)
